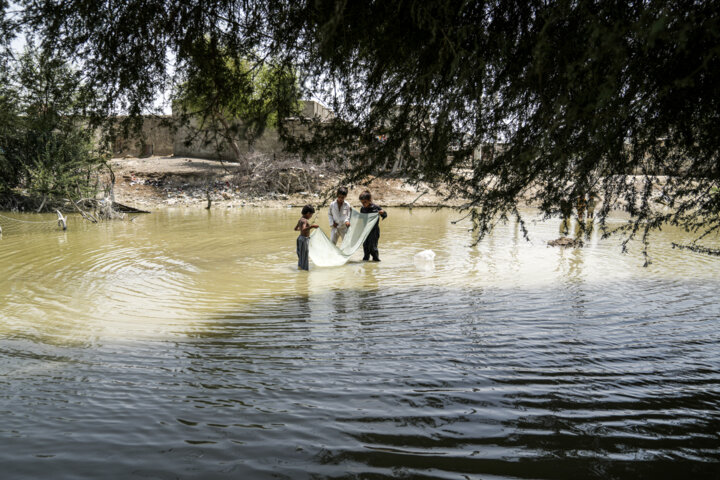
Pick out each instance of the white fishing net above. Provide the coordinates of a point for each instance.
(324, 253)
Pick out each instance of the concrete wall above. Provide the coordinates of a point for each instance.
(190, 141)
(155, 138)
(161, 135)
(313, 110)
(203, 145)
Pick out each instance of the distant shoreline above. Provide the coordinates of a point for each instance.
(170, 182)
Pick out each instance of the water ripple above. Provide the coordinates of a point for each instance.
(153, 350)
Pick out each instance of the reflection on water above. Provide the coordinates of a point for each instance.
(185, 344)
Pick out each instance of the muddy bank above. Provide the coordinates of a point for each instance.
(170, 182)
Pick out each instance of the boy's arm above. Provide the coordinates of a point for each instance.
(346, 219)
(382, 213)
(331, 220)
(307, 227)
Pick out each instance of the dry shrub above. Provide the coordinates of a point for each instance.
(272, 174)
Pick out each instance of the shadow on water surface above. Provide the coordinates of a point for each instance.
(570, 383)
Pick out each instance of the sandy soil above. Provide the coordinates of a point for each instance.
(161, 182)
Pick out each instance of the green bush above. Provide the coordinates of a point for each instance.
(46, 143)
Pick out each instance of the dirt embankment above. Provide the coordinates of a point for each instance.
(161, 182)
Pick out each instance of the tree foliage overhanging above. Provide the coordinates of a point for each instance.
(231, 98)
(576, 96)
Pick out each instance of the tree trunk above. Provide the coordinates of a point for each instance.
(42, 205)
(397, 166)
(234, 146)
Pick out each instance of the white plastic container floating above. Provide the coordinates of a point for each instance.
(424, 260)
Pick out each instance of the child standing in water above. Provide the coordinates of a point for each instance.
(303, 241)
(370, 246)
(339, 216)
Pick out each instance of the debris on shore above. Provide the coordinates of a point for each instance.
(158, 182)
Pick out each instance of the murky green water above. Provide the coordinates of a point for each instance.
(186, 345)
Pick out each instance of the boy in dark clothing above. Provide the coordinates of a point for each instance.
(370, 246)
(303, 241)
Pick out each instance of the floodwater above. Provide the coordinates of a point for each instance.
(185, 344)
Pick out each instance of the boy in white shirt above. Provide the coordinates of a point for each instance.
(339, 216)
